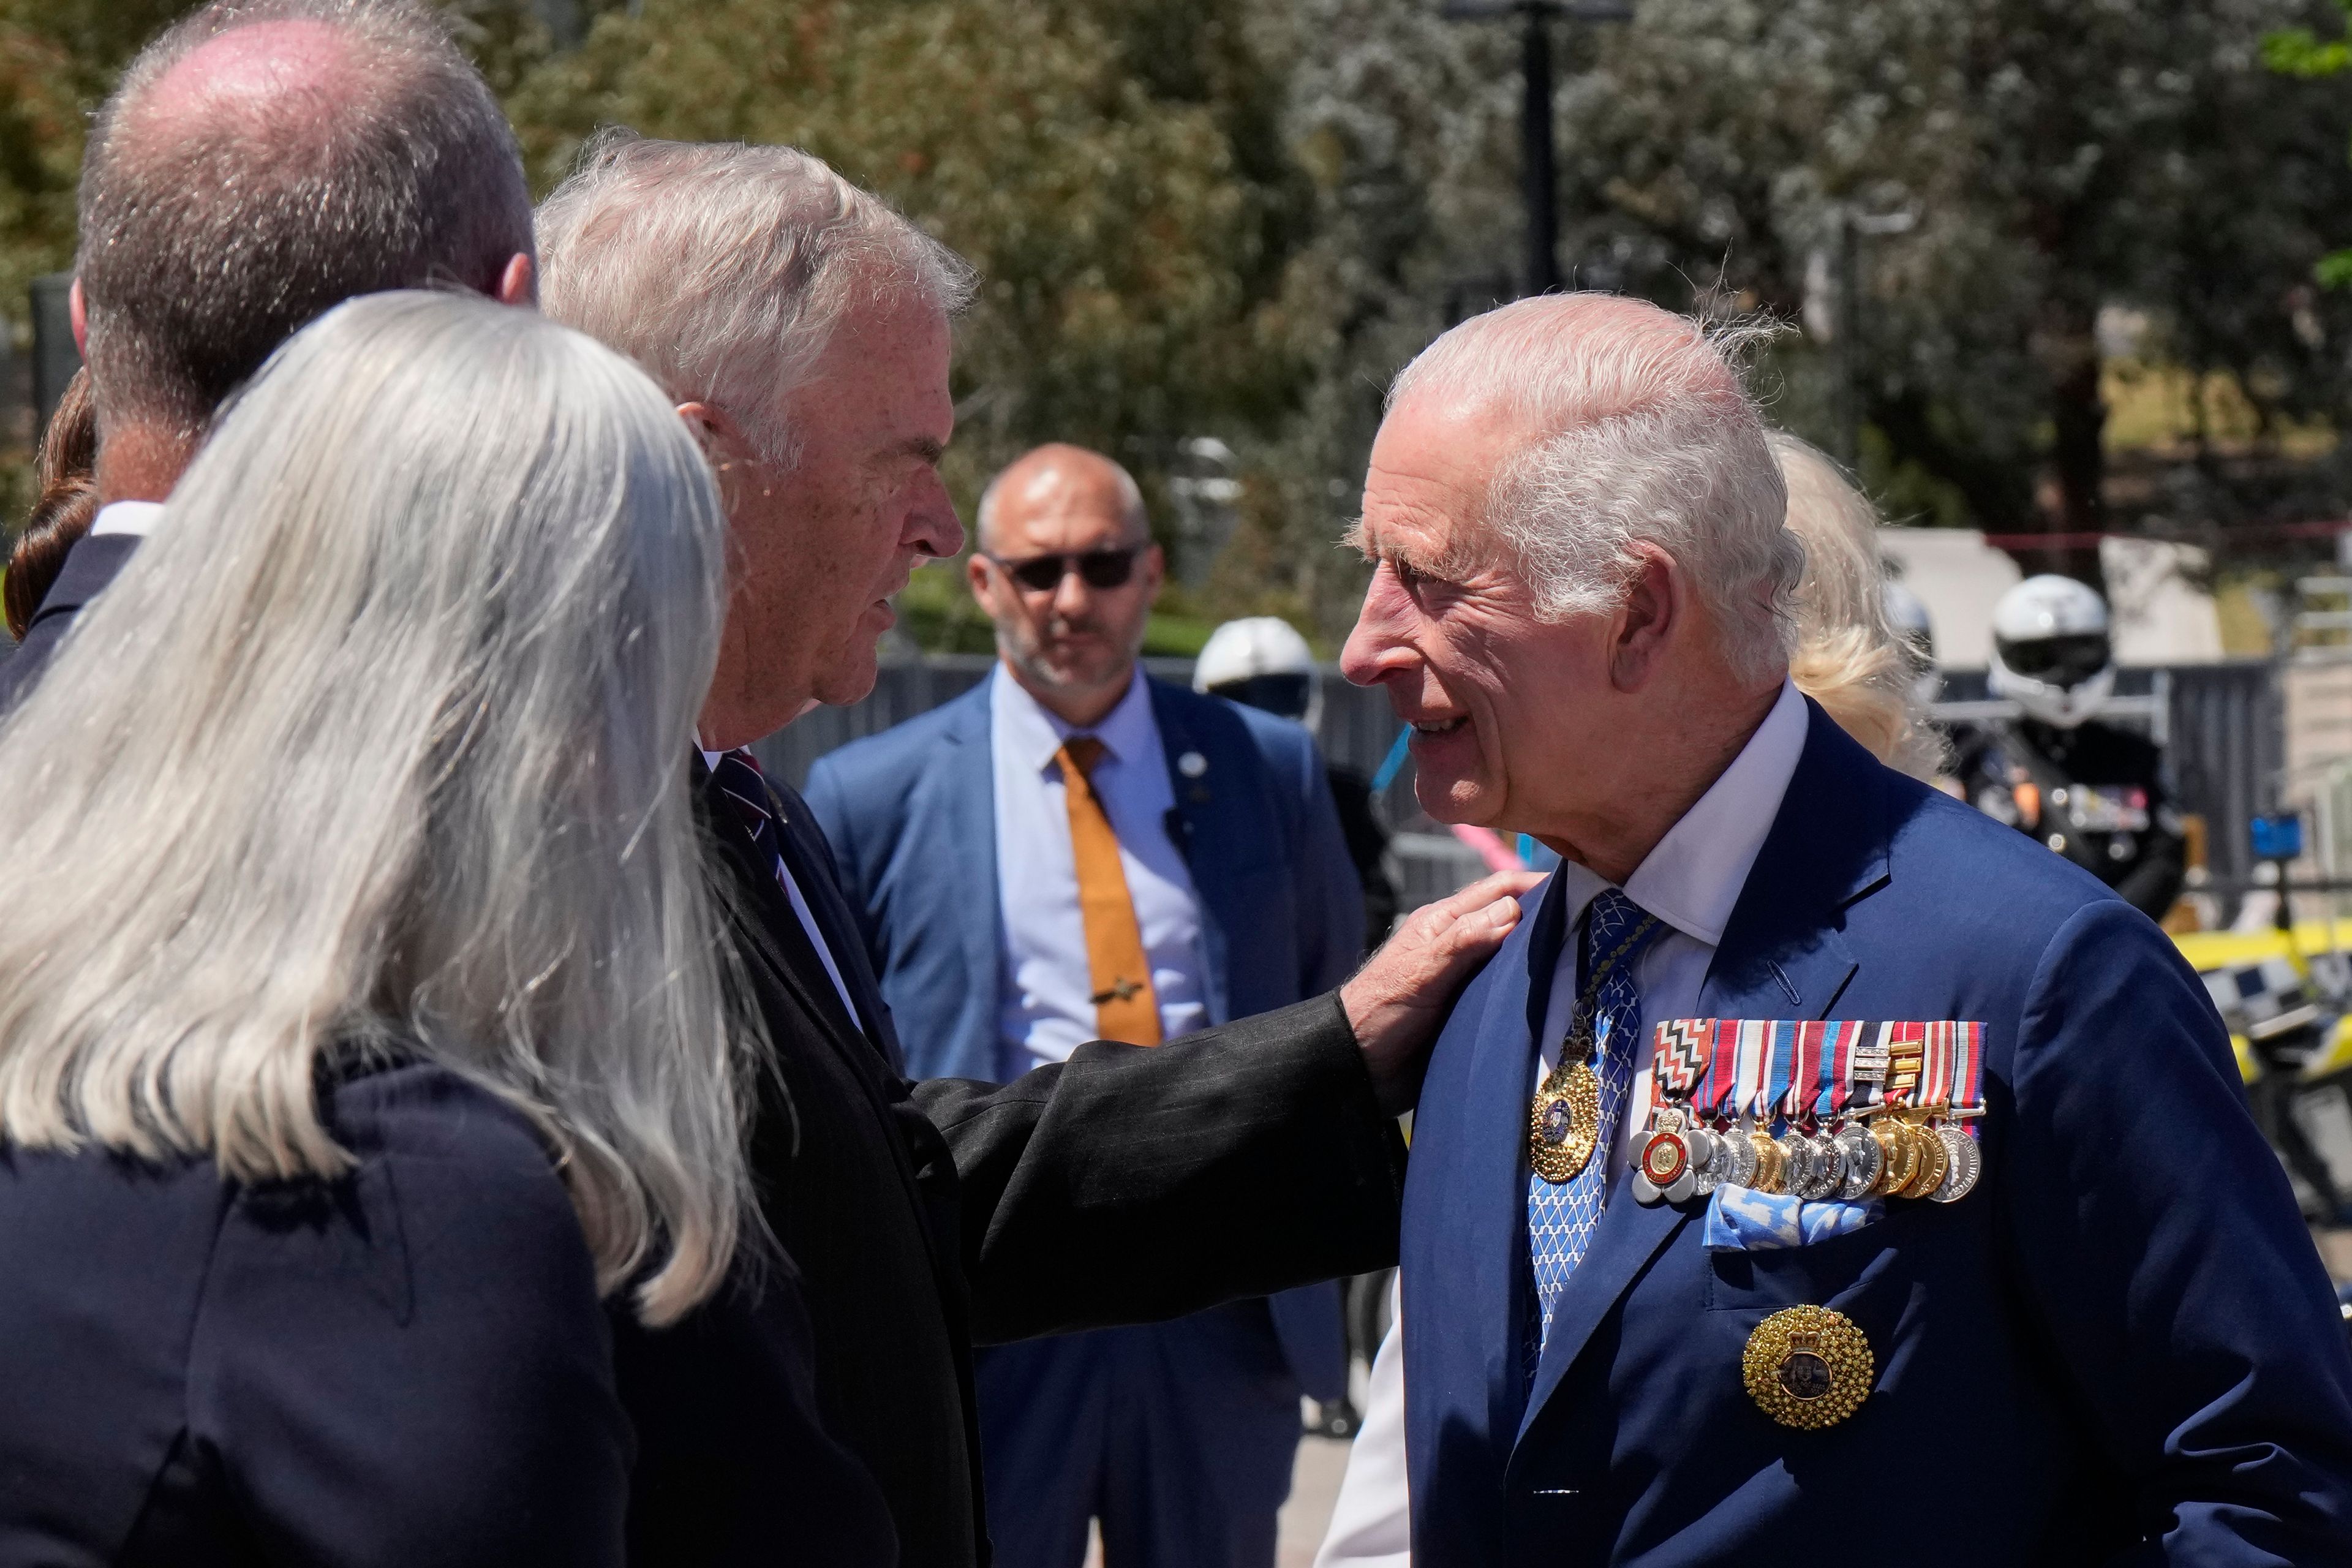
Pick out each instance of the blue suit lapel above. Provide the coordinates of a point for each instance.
(1477, 1249)
(967, 808)
(1192, 826)
(1782, 956)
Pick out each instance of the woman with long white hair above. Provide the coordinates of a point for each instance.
(1848, 656)
(363, 1026)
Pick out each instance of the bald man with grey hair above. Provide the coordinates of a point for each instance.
(804, 328)
(1684, 1259)
(260, 162)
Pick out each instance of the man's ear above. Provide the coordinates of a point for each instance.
(725, 447)
(715, 431)
(519, 284)
(1656, 599)
(79, 314)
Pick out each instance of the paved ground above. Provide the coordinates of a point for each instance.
(1314, 1483)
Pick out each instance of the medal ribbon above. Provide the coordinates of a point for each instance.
(1967, 1068)
(1805, 1057)
(1754, 1049)
(1839, 1037)
(1780, 1061)
(1685, 1048)
(1904, 1042)
(1936, 1066)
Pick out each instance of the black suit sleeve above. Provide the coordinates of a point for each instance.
(1131, 1183)
(411, 1366)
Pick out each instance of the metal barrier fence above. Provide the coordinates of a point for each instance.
(2223, 723)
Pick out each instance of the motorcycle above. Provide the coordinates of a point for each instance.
(2286, 997)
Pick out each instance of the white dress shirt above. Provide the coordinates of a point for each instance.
(801, 907)
(134, 517)
(1045, 992)
(1690, 881)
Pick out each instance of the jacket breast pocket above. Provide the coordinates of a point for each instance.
(1805, 1275)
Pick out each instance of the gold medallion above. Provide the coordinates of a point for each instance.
(1771, 1165)
(1935, 1163)
(1564, 1123)
(1902, 1156)
(1808, 1367)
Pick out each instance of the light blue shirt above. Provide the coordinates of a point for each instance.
(1047, 1009)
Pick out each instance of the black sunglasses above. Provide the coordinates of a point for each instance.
(1042, 574)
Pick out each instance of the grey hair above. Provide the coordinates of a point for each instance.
(1131, 512)
(208, 239)
(379, 745)
(725, 268)
(1849, 658)
(1639, 431)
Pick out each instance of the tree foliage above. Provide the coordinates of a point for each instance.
(1236, 219)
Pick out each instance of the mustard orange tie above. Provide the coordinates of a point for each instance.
(1125, 1008)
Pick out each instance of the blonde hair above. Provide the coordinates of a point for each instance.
(379, 745)
(1849, 658)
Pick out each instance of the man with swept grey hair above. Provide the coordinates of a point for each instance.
(803, 327)
(1691, 1271)
(260, 162)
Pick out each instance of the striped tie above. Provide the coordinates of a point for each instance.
(739, 780)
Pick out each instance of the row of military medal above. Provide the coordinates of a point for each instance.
(1865, 1109)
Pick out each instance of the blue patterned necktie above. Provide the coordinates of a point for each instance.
(1561, 1217)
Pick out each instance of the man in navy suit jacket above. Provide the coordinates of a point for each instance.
(2118, 1345)
(954, 836)
(298, 116)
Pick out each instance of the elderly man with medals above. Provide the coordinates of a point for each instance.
(1818, 1157)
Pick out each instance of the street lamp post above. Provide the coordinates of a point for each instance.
(1853, 226)
(1539, 174)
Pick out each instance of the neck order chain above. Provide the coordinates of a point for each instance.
(1564, 1123)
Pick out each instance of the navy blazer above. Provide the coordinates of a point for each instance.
(94, 561)
(2121, 1345)
(405, 1366)
(910, 815)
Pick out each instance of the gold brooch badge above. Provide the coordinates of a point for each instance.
(1808, 1367)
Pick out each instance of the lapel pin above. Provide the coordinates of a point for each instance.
(1191, 764)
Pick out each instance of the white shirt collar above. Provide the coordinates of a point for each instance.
(132, 517)
(1694, 876)
(1035, 734)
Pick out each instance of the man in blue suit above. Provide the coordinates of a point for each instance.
(1074, 851)
(2117, 1345)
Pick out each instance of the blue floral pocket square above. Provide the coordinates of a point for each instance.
(1740, 1220)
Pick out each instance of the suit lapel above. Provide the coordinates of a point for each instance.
(1485, 1259)
(768, 923)
(969, 805)
(1782, 956)
(1192, 827)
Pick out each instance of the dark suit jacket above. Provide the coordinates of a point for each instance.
(2120, 1347)
(910, 815)
(89, 566)
(405, 1366)
(1126, 1185)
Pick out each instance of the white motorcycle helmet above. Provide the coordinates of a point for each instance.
(1263, 662)
(2051, 652)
